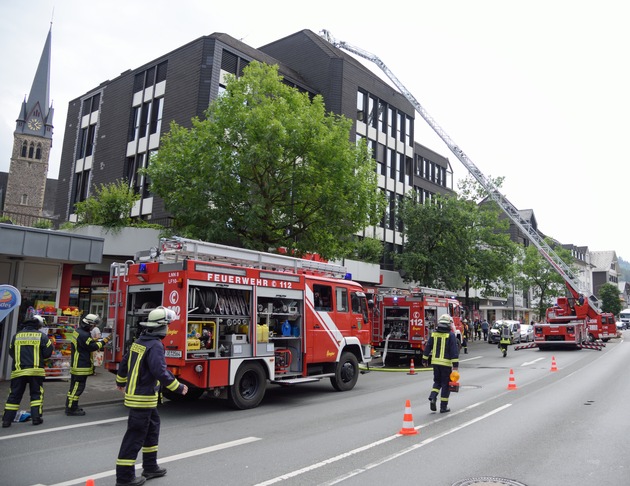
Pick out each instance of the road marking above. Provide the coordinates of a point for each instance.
(527, 363)
(66, 427)
(356, 472)
(470, 359)
(164, 460)
(358, 450)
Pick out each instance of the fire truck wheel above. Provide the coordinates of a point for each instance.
(591, 338)
(347, 372)
(249, 386)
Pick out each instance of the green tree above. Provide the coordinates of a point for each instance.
(538, 275)
(609, 295)
(268, 168)
(453, 242)
(110, 206)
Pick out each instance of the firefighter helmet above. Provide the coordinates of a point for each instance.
(90, 320)
(158, 321)
(35, 321)
(444, 323)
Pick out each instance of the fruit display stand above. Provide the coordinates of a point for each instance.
(59, 329)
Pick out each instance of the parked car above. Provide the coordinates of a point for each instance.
(621, 326)
(527, 333)
(494, 336)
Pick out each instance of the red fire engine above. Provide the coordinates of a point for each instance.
(244, 318)
(402, 320)
(574, 324)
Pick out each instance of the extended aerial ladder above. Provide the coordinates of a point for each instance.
(493, 192)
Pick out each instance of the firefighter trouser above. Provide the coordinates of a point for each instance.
(143, 432)
(77, 385)
(441, 378)
(18, 386)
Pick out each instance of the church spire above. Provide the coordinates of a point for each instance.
(36, 113)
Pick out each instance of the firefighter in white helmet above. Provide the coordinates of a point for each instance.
(142, 367)
(81, 361)
(443, 350)
(29, 348)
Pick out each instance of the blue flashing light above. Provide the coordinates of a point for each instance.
(142, 268)
(347, 276)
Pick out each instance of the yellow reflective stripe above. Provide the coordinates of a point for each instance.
(126, 462)
(150, 449)
(173, 386)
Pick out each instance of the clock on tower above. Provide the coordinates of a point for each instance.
(34, 124)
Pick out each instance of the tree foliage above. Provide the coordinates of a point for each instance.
(452, 240)
(110, 206)
(267, 168)
(544, 281)
(609, 295)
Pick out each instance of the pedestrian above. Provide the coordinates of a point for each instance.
(142, 367)
(478, 329)
(97, 356)
(81, 361)
(484, 329)
(505, 338)
(444, 353)
(29, 348)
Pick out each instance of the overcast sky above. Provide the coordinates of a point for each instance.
(536, 92)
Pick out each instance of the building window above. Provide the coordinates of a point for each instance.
(31, 151)
(81, 184)
(24, 199)
(144, 116)
(382, 116)
(24, 149)
(361, 95)
(38, 151)
(156, 115)
(391, 122)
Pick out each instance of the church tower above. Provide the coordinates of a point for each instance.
(32, 141)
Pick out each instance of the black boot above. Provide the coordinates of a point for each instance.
(154, 472)
(432, 404)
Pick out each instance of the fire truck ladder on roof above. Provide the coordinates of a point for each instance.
(545, 250)
(177, 248)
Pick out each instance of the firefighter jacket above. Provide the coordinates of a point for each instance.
(506, 335)
(82, 345)
(143, 370)
(29, 348)
(443, 349)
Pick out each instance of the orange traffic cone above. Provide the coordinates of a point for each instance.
(412, 370)
(89, 482)
(511, 382)
(553, 364)
(408, 428)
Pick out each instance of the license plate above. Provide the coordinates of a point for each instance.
(172, 354)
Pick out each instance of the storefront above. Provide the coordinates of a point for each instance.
(39, 264)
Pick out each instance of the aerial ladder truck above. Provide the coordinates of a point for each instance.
(567, 326)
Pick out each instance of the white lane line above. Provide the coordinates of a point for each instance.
(164, 460)
(65, 427)
(356, 472)
(527, 363)
(358, 450)
(470, 359)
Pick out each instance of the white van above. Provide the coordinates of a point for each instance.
(624, 316)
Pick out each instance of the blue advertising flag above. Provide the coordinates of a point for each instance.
(10, 298)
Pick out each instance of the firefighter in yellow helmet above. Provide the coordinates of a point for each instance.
(443, 350)
(142, 371)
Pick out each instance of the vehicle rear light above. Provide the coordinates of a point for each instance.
(571, 329)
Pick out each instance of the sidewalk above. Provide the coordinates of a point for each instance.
(100, 388)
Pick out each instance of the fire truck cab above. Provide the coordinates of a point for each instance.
(403, 320)
(244, 318)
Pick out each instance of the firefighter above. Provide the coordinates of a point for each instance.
(142, 367)
(81, 361)
(504, 338)
(444, 353)
(29, 348)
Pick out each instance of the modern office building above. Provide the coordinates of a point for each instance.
(112, 129)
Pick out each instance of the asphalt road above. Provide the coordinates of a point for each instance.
(565, 427)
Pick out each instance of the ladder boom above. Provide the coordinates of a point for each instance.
(177, 249)
(510, 210)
